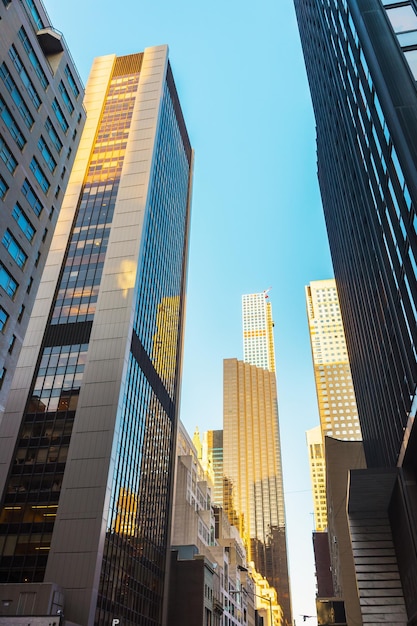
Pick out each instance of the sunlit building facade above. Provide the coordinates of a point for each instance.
(212, 460)
(335, 393)
(258, 336)
(87, 441)
(41, 120)
(317, 462)
(253, 484)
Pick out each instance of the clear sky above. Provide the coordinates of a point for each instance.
(257, 220)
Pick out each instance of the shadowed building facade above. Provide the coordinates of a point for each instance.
(87, 441)
(360, 58)
(41, 120)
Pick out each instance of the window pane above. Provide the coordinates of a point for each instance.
(402, 18)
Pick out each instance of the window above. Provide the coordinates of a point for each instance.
(11, 344)
(33, 58)
(16, 95)
(72, 82)
(3, 187)
(23, 222)
(17, 62)
(8, 282)
(39, 175)
(3, 372)
(35, 14)
(21, 313)
(66, 98)
(53, 136)
(6, 156)
(60, 116)
(411, 56)
(30, 283)
(402, 18)
(3, 319)
(13, 248)
(32, 198)
(10, 122)
(47, 155)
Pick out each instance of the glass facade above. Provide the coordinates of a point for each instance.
(137, 534)
(367, 184)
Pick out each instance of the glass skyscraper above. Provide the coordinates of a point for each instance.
(360, 60)
(87, 442)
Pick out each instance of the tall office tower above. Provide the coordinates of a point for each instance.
(41, 119)
(86, 447)
(360, 58)
(334, 386)
(317, 464)
(253, 485)
(258, 336)
(212, 460)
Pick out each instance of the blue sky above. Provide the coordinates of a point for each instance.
(256, 219)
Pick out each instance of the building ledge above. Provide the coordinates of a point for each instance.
(50, 40)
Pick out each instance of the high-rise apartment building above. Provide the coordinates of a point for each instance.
(334, 386)
(317, 462)
(335, 394)
(258, 336)
(87, 440)
(253, 491)
(41, 119)
(212, 460)
(360, 59)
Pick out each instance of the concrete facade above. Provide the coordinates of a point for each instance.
(41, 121)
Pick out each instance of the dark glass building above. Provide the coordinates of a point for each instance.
(88, 439)
(360, 57)
(41, 120)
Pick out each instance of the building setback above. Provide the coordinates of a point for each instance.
(360, 59)
(86, 444)
(41, 120)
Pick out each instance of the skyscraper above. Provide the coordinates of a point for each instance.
(87, 441)
(335, 393)
(253, 483)
(41, 119)
(365, 104)
(360, 59)
(258, 336)
(316, 457)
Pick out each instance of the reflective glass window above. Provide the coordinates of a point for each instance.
(33, 58)
(7, 282)
(3, 187)
(32, 197)
(6, 156)
(411, 56)
(39, 175)
(16, 95)
(23, 222)
(11, 124)
(14, 249)
(17, 62)
(402, 18)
